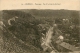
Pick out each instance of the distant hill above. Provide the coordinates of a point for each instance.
(52, 13)
(46, 13)
(73, 15)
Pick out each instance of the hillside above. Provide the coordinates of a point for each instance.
(21, 36)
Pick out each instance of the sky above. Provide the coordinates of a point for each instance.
(60, 4)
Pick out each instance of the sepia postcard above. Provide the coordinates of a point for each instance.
(39, 26)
